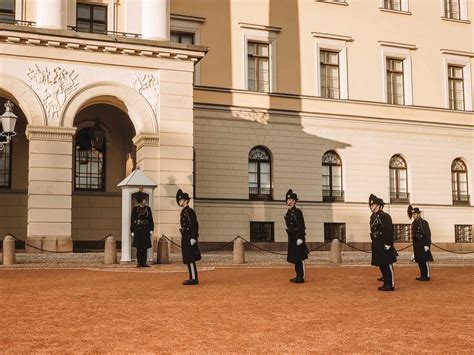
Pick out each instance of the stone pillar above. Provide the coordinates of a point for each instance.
(51, 14)
(148, 159)
(110, 251)
(8, 250)
(50, 187)
(335, 253)
(239, 253)
(163, 256)
(156, 19)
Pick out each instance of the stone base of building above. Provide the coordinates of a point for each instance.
(48, 244)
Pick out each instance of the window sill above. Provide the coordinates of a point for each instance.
(455, 20)
(401, 12)
(399, 201)
(332, 2)
(461, 203)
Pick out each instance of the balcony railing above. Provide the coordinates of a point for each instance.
(107, 33)
(333, 195)
(260, 194)
(18, 22)
(399, 197)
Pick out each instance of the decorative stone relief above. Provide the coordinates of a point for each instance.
(53, 86)
(251, 115)
(148, 85)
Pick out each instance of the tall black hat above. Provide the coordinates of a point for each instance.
(180, 195)
(411, 210)
(140, 196)
(374, 200)
(291, 195)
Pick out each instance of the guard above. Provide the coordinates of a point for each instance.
(421, 242)
(141, 226)
(189, 237)
(381, 234)
(296, 230)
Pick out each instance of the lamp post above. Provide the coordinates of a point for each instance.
(8, 120)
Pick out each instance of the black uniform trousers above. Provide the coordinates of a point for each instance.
(299, 268)
(388, 276)
(424, 269)
(193, 272)
(141, 256)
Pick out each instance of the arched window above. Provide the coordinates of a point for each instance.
(459, 181)
(260, 174)
(90, 159)
(398, 180)
(332, 177)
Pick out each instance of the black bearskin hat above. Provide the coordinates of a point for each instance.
(291, 195)
(374, 200)
(180, 195)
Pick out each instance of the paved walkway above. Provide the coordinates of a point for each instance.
(224, 258)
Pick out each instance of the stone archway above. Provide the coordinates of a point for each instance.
(25, 98)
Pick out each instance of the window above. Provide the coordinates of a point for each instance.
(334, 231)
(332, 177)
(182, 37)
(452, 9)
(393, 5)
(398, 180)
(262, 232)
(456, 87)
(89, 162)
(91, 18)
(7, 11)
(258, 66)
(6, 165)
(260, 174)
(329, 69)
(395, 88)
(463, 233)
(402, 233)
(459, 182)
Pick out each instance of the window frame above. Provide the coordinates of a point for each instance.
(257, 58)
(457, 227)
(459, 61)
(272, 231)
(395, 195)
(456, 193)
(10, 12)
(329, 227)
(260, 196)
(332, 197)
(328, 66)
(390, 99)
(452, 80)
(400, 52)
(397, 231)
(8, 171)
(91, 20)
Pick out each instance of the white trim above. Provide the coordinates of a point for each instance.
(304, 269)
(259, 27)
(193, 272)
(404, 54)
(190, 26)
(393, 274)
(465, 62)
(462, 10)
(324, 43)
(260, 36)
(428, 268)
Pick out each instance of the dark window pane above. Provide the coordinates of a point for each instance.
(262, 232)
(83, 11)
(5, 165)
(7, 5)
(99, 13)
(334, 231)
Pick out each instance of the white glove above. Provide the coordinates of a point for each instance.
(299, 242)
(133, 234)
(412, 257)
(386, 246)
(192, 241)
(427, 248)
(151, 232)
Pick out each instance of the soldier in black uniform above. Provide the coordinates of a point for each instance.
(189, 237)
(383, 251)
(297, 249)
(142, 226)
(421, 242)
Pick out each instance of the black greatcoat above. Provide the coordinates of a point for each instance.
(189, 230)
(421, 237)
(381, 233)
(296, 229)
(141, 225)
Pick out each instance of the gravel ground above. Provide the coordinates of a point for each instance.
(224, 258)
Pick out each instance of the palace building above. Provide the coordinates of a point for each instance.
(235, 102)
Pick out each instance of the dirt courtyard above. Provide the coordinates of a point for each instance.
(235, 310)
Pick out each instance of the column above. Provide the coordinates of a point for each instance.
(156, 19)
(51, 14)
(50, 187)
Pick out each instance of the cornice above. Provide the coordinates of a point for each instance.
(44, 133)
(146, 139)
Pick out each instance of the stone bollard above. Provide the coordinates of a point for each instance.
(8, 250)
(335, 254)
(110, 251)
(163, 256)
(239, 251)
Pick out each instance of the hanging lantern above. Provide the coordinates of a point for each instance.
(8, 120)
